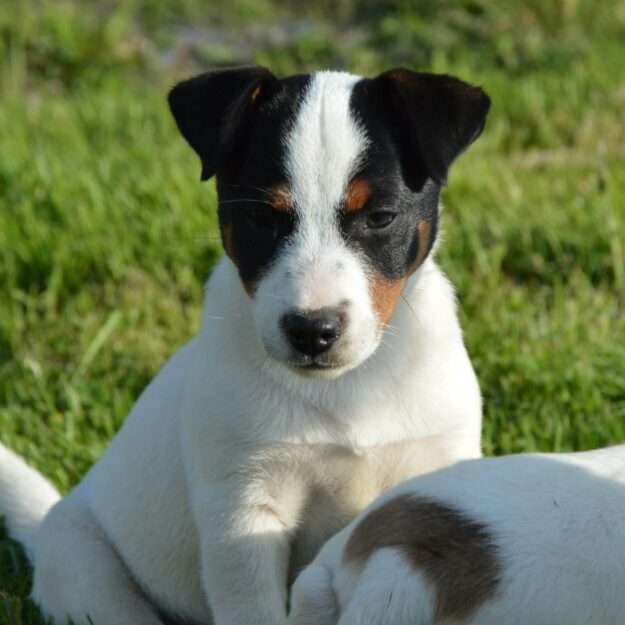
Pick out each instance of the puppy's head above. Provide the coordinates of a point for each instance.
(328, 189)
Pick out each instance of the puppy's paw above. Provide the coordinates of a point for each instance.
(312, 600)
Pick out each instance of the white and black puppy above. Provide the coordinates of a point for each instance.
(536, 539)
(329, 367)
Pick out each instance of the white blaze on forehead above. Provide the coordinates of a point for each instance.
(316, 269)
(323, 148)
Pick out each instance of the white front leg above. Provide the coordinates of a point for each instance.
(245, 557)
(312, 598)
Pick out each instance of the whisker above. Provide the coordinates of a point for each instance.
(389, 326)
(249, 200)
(251, 186)
(390, 332)
(399, 396)
(412, 310)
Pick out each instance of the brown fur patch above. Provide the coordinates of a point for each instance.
(455, 553)
(250, 287)
(400, 75)
(226, 240)
(281, 199)
(256, 92)
(358, 192)
(424, 231)
(385, 294)
(228, 245)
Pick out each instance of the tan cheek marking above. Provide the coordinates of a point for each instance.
(385, 294)
(281, 199)
(456, 554)
(358, 192)
(226, 238)
(250, 288)
(424, 230)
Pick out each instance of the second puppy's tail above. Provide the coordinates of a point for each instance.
(26, 496)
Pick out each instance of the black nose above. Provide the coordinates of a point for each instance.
(313, 332)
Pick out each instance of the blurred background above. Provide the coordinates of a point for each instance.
(107, 236)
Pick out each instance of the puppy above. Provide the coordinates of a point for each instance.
(329, 367)
(518, 540)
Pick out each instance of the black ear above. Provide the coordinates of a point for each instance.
(439, 115)
(213, 108)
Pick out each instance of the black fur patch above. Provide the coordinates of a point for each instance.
(406, 192)
(259, 231)
(236, 121)
(417, 125)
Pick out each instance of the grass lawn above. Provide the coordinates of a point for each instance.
(106, 235)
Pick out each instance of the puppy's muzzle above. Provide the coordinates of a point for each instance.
(312, 333)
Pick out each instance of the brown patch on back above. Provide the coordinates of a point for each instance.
(385, 294)
(358, 192)
(281, 199)
(455, 553)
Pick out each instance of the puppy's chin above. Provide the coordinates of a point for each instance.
(320, 373)
(302, 367)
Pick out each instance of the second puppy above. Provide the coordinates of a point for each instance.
(534, 539)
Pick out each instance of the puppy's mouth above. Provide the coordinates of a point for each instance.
(316, 368)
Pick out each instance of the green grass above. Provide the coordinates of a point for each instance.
(106, 236)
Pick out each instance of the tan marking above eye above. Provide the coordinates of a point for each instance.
(358, 193)
(456, 554)
(281, 199)
(256, 92)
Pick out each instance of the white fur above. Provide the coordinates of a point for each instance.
(230, 464)
(25, 497)
(310, 277)
(558, 521)
(324, 148)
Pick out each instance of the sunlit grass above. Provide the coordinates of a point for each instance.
(106, 234)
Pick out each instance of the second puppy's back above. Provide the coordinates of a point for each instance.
(533, 538)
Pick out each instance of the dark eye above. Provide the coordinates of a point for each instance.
(380, 219)
(260, 218)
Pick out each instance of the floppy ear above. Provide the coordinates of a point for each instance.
(212, 109)
(440, 115)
